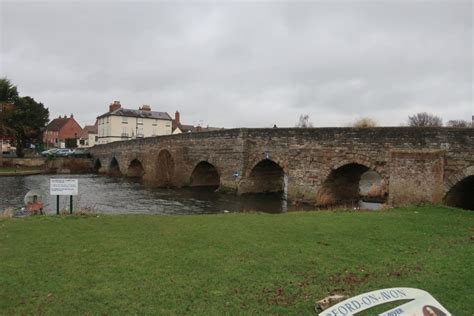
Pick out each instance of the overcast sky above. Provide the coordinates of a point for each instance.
(244, 64)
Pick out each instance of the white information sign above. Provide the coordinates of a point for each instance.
(63, 186)
(422, 303)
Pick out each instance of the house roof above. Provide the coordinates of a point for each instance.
(191, 129)
(88, 129)
(138, 113)
(56, 124)
(184, 128)
(211, 129)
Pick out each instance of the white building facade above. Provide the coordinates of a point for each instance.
(123, 124)
(89, 136)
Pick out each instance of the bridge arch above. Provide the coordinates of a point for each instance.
(205, 174)
(97, 165)
(164, 168)
(358, 159)
(348, 181)
(258, 158)
(135, 169)
(460, 189)
(114, 168)
(266, 176)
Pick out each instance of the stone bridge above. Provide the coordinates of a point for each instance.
(318, 165)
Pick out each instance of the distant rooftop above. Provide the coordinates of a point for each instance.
(88, 129)
(58, 123)
(144, 112)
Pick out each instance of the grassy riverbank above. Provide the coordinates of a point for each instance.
(13, 171)
(232, 263)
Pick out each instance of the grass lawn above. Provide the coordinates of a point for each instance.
(231, 263)
(21, 170)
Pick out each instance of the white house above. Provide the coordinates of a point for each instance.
(122, 124)
(89, 136)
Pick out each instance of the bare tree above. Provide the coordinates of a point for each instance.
(365, 122)
(459, 123)
(424, 119)
(304, 121)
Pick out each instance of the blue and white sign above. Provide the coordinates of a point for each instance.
(421, 304)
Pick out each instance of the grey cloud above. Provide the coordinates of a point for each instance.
(244, 63)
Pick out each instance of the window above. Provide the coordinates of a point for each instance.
(96, 138)
(155, 122)
(140, 120)
(124, 120)
(124, 132)
(140, 132)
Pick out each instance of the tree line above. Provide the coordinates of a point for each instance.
(22, 119)
(422, 119)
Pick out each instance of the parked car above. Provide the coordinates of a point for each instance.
(49, 152)
(65, 152)
(9, 154)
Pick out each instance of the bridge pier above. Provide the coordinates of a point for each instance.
(416, 177)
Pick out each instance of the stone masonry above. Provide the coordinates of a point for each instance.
(415, 164)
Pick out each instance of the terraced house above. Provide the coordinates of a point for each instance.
(123, 124)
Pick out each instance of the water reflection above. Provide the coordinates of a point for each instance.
(121, 195)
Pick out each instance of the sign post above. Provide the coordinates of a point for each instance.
(63, 187)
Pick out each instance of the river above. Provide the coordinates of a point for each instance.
(102, 194)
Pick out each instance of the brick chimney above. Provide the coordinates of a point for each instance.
(72, 115)
(114, 106)
(176, 117)
(145, 108)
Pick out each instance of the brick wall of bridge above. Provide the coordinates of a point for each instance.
(423, 161)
